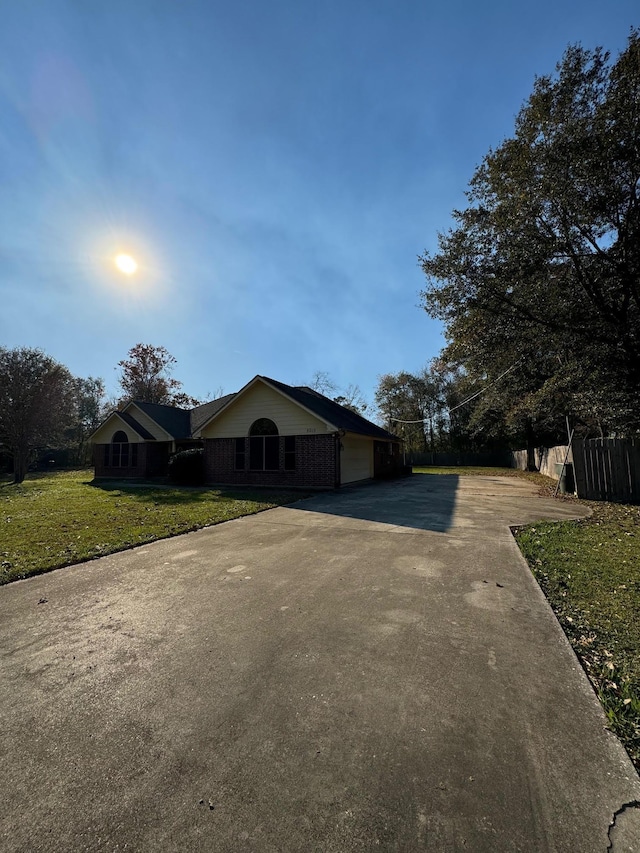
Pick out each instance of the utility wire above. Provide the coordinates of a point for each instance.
(464, 402)
(482, 390)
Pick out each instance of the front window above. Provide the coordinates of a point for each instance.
(120, 453)
(264, 446)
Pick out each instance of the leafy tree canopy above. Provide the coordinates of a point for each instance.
(146, 376)
(416, 406)
(89, 394)
(37, 403)
(542, 269)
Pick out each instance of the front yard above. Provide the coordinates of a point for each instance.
(589, 571)
(56, 519)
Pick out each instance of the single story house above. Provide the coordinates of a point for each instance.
(268, 433)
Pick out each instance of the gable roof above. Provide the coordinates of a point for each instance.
(201, 414)
(129, 420)
(177, 423)
(133, 423)
(172, 420)
(183, 423)
(330, 411)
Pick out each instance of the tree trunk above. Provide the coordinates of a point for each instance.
(19, 465)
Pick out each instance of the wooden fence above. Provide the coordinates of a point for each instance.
(604, 469)
(547, 459)
(607, 469)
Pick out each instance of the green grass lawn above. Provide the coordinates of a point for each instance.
(56, 519)
(589, 571)
(533, 476)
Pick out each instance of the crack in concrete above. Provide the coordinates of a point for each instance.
(632, 804)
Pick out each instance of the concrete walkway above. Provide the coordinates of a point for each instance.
(370, 670)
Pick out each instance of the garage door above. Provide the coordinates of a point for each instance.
(356, 459)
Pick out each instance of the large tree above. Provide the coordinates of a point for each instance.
(541, 273)
(146, 376)
(37, 403)
(90, 395)
(413, 406)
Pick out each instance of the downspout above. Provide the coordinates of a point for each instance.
(338, 436)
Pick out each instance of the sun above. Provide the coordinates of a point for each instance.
(126, 264)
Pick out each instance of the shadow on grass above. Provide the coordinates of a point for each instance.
(174, 495)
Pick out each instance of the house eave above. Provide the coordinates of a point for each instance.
(245, 388)
(168, 435)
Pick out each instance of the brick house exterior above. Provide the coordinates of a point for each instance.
(150, 461)
(137, 441)
(268, 434)
(274, 434)
(316, 463)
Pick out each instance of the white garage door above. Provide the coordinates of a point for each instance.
(356, 459)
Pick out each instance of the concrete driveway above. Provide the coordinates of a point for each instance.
(370, 670)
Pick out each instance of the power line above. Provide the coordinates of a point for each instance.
(464, 402)
(482, 390)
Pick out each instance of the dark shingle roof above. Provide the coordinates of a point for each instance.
(180, 423)
(330, 411)
(201, 414)
(133, 423)
(173, 420)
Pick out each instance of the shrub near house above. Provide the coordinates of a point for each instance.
(186, 468)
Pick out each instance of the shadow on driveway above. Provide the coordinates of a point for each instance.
(420, 502)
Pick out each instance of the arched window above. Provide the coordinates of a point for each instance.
(121, 454)
(263, 426)
(264, 446)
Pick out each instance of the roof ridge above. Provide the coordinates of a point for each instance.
(160, 405)
(343, 417)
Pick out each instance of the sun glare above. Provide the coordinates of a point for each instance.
(126, 264)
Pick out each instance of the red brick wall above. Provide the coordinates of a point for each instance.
(315, 464)
(153, 460)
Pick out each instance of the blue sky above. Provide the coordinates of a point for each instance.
(274, 167)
